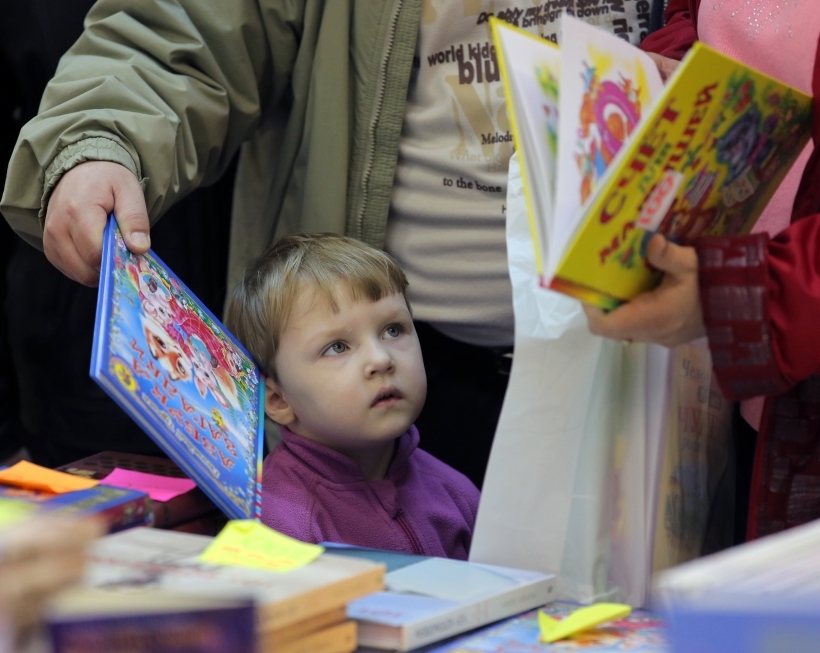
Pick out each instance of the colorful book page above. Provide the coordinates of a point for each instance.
(531, 69)
(640, 632)
(176, 371)
(33, 477)
(607, 86)
(705, 160)
(159, 488)
(247, 543)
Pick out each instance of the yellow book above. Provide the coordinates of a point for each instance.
(631, 157)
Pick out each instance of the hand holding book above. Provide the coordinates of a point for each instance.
(668, 315)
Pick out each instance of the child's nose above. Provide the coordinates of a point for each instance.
(379, 360)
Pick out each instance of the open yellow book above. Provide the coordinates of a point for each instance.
(610, 156)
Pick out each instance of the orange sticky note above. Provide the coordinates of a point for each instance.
(33, 477)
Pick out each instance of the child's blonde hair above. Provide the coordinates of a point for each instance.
(261, 303)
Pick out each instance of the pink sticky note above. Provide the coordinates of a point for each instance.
(159, 488)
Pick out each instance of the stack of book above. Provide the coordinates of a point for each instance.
(55, 492)
(301, 611)
(189, 512)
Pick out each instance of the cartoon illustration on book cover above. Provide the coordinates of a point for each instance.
(178, 366)
(752, 134)
(706, 159)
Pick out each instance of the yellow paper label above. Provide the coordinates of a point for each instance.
(247, 543)
(552, 629)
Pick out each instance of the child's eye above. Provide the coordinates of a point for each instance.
(394, 331)
(335, 349)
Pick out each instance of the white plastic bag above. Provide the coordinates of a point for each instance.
(572, 475)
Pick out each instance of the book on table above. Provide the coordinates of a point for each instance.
(149, 621)
(182, 509)
(302, 610)
(640, 632)
(428, 599)
(175, 369)
(763, 595)
(118, 507)
(610, 155)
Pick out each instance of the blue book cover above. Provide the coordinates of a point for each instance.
(175, 369)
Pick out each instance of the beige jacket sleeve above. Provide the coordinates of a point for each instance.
(167, 88)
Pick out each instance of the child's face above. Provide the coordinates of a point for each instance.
(352, 379)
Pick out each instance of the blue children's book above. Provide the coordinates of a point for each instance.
(175, 369)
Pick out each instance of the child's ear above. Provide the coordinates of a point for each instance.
(276, 406)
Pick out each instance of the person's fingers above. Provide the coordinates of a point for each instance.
(665, 65)
(132, 215)
(665, 256)
(623, 323)
(68, 261)
(77, 213)
(86, 233)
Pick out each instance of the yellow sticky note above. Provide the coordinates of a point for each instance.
(552, 629)
(13, 511)
(33, 477)
(247, 543)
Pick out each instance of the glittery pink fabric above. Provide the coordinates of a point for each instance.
(766, 34)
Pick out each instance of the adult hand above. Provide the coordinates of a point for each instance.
(77, 213)
(670, 314)
(666, 66)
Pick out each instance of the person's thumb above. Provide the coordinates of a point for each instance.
(666, 256)
(132, 216)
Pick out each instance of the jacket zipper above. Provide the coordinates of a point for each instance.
(415, 545)
(382, 83)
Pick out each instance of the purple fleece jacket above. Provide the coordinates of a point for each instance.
(316, 494)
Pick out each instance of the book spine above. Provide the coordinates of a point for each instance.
(464, 618)
(323, 599)
(210, 631)
(336, 639)
(127, 514)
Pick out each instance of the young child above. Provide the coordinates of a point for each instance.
(327, 319)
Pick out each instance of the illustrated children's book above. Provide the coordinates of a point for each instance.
(172, 366)
(610, 156)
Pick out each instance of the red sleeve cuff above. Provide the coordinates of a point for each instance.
(733, 277)
(674, 39)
